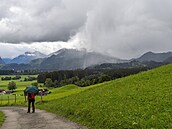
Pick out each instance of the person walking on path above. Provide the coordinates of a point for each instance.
(31, 99)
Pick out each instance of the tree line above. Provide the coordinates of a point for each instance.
(17, 77)
(84, 77)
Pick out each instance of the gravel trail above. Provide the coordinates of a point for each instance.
(18, 118)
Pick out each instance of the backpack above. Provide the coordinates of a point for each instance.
(31, 96)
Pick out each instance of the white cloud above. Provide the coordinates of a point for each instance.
(12, 50)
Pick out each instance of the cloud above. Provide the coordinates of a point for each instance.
(122, 28)
(12, 50)
(128, 28)
(41, 20)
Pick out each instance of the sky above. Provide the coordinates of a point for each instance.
(120, 28)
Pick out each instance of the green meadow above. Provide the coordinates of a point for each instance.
(139, 101)
(21, 85)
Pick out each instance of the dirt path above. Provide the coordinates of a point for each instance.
(18, 118)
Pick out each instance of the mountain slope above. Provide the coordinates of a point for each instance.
(27, 57)
(157, 57)
(1, 61)
(128, 65)
(6, 60)
(139, 101)
(66, 59)
(168, 60)
(15, 66)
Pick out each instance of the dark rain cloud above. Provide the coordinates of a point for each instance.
(41, 20)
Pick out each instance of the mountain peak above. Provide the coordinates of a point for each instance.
(63, 50)
(27, 57)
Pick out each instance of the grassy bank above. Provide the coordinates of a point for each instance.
(2, 118)
(139, 101)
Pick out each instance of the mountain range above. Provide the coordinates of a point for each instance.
(74, 59)
(70, 59)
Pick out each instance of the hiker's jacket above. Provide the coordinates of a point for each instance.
(31, 96)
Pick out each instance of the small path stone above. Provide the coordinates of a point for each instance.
(18, 118)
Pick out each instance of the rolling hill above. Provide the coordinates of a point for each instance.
(143, 100)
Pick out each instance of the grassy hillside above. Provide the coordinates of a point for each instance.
(139, 101)
(2, 118)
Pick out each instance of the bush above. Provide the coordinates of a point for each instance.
(12, 85)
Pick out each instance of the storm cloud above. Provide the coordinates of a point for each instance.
(41, 20)
(122, 28)
(128, 28)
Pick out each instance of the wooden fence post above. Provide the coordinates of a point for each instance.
(15, 98)
(8, 100)
(41, 96)
(1, 99)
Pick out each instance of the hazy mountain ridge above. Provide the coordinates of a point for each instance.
(157, 57)
(70, 59)
(1, 61)
(6, 60)
(27, 57)
(75, 59)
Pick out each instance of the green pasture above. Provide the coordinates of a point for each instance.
(142, 101)
(56, 93)
(21, 84)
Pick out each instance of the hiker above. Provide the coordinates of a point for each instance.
(31, 99)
